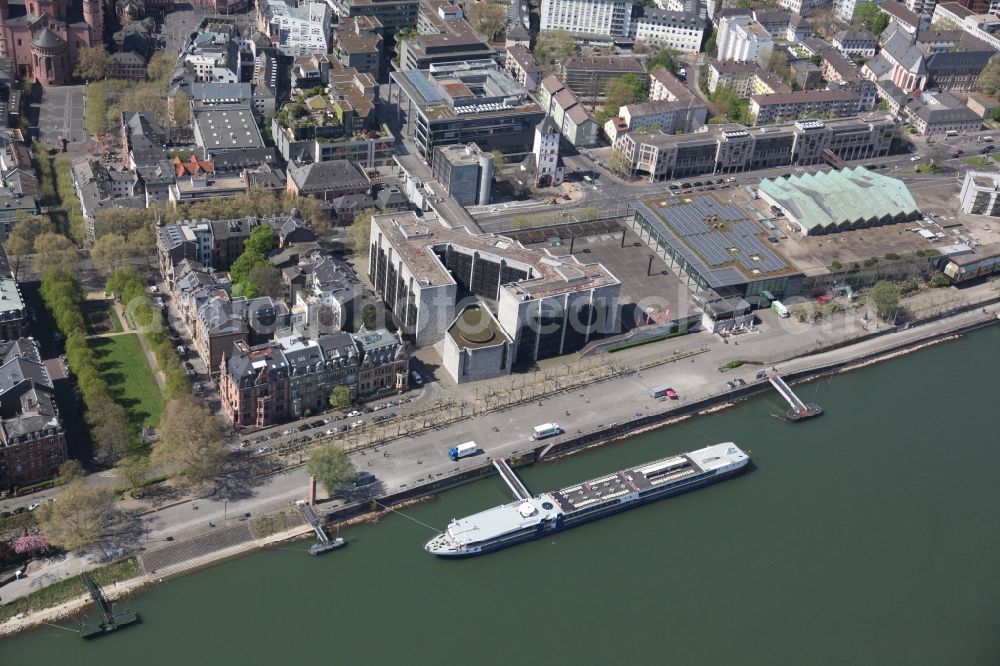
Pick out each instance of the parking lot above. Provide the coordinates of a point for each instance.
(60, 116)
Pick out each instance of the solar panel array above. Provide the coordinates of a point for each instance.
(721, 234)
(427, 89)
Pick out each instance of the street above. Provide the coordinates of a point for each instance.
(411, 461)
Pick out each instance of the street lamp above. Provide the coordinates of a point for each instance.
(225, 509)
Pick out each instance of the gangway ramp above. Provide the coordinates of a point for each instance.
(797, 409)
(511, 479)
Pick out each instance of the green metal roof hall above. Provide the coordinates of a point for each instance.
(832, 201)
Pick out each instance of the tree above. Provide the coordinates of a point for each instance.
(553, 46)
(662, 58)
(21, 240)
(77, 515)
(110, 253)
(340, 397)
(487, 17)
(331, 467)
(161, 67)
(133, 469)
(710, 44)
(989, 78)
(619, 162)
(54, 250)
(884, 298)
(182, 109)
(91, 62)
(246, 262)
(190, 443)
(260, 241)
(359, 233)
(627, 89)
(31, 543)
(778, 63)
(267, 279)
(736, 109)
(110, 428)
(69, 471)
(369, 316)
(871, 16)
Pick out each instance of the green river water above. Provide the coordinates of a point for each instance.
(867, 536)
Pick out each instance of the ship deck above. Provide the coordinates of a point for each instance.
(633, 480)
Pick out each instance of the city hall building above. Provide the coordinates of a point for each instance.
(545, 305)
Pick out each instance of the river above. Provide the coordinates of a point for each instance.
(867, 536)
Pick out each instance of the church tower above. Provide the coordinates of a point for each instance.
(93, 15)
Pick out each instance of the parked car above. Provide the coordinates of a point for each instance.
(353, 413)
(416, 378)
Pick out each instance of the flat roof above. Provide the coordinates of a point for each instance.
(416, 238)
(227, 128)
(717, 240)
(10, 295)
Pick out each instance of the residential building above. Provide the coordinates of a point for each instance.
(741, 39)
(660, 28)
(831, 103)
(952, 15)
(220, 322)
(443, 35)
(736, 75)
(385, 364)
(729, 149)
(101, 186)
(213, 55)
(589, 76)
(327, 180)
(267, 85)
(906, 19)
(587, 17)
(855, 42)
(767, 83)
(44, 37)
(32, 440)
(467, 101)
(831, 201)
(807, 75)
(358, 42)
(333, 124)
(215, 244)
(295, 29)
(984, 27)
(672, 107)
(287, 378)
(940, 113)
(394, 15)
(326, 293)
(844, 9)
(921, 6)
(980, 193)
(14, 318)
(143, 139)
(523, 67)
(545, 153)
(571, 117)
(466, 172)
(801, 7)
(127, 65)
(518, 25)
(546, 305)
(982, 105)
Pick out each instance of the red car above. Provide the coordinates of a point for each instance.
(672, 394)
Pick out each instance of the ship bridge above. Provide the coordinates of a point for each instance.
(797, 410)
(511, 479)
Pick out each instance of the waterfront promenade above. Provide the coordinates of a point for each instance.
(422, 458)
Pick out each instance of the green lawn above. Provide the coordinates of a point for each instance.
(123, 366)
(979, 161)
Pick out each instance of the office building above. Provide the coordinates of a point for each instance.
(466, 172)
(467, 102)
(587, 17)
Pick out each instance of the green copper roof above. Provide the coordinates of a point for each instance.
(832, 200)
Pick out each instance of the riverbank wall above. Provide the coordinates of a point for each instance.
(362, 511)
